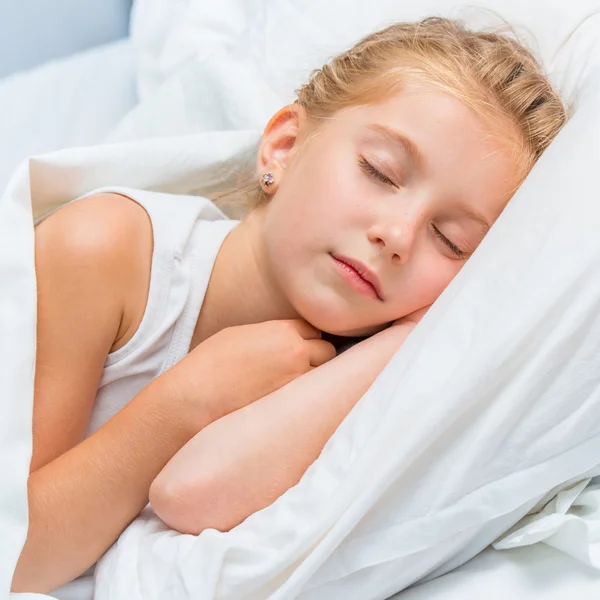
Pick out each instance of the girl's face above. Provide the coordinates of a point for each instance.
(379, 207)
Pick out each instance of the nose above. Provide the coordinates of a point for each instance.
(395, 238)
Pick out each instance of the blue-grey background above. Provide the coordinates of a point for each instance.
(33, 31)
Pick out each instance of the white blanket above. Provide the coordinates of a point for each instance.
(532, 573)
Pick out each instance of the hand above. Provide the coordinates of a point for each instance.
(239, 365)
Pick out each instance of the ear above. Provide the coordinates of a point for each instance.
(280, 142)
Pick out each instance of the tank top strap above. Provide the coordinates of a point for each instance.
(205, 243)
(173, 216)
(187, 233)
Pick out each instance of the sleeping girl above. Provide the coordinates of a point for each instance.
(181, 358)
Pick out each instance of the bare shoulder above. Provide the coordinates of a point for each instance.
(93, 262)
(103, 242)
(103, 224)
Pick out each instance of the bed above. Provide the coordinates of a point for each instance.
(79, 100)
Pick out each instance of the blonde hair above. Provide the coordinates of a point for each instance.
(491, 72)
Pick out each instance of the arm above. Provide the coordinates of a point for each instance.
(83, 494)
(244, 461)
(93, 261)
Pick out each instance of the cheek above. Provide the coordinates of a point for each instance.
(318, 197)
(329, 187)
(430, 278)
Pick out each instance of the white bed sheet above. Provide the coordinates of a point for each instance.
(80, 589)
(75, 101)
(535, 572)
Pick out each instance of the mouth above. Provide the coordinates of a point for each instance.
(359, 275)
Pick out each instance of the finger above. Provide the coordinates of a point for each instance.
(320, 352)
(305, 329)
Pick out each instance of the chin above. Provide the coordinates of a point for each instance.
(328, 310)
(335, 322)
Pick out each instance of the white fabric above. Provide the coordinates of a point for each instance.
(166, 33)
(17, 357)
(81, 588)
(570, 522)
(527, 573)
(231, 65)
(76, 101)
(286, 37)
(532, 573)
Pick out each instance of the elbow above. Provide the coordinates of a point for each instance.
(190, 507)
(171, 501)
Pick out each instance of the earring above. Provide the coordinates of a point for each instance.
(268, 179)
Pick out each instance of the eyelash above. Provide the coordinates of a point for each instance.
(370, 170)
(459, 253)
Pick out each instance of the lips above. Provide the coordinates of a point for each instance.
(362, 271)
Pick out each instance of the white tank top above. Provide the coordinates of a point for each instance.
(188, 232)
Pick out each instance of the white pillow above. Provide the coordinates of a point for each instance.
(293, 38)
(168, 32)
(74, 101)
(231, 65)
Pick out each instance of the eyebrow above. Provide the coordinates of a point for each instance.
(398, 139)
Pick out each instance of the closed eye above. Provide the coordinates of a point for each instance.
(455, 249)
(370, 170)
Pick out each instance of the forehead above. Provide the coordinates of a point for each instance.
(453, 144)
(424, 110)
